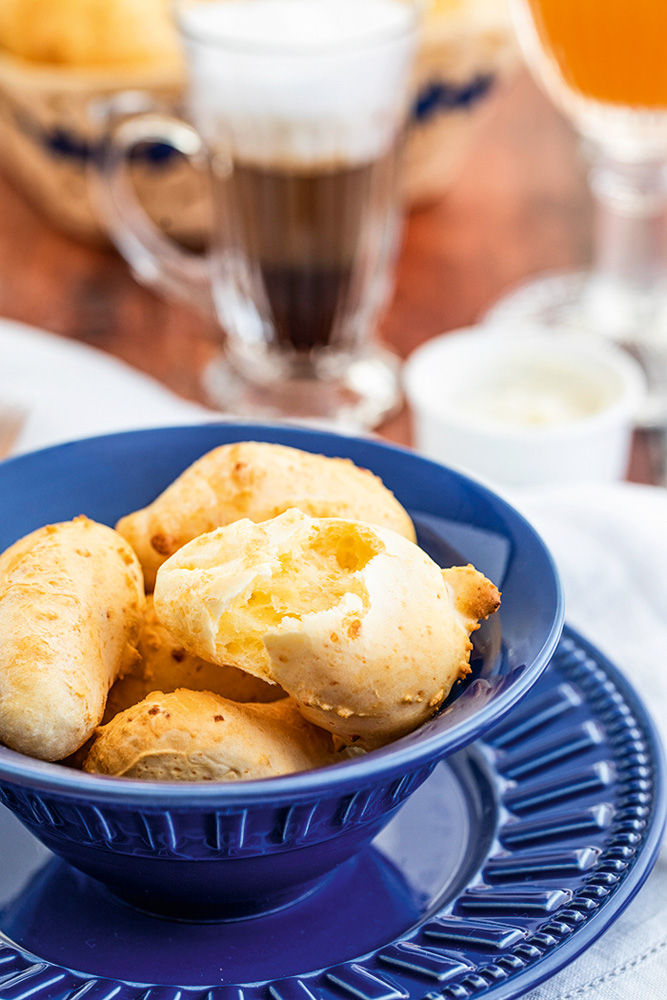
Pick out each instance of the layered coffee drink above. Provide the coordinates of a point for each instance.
(299, 236)
(301, 110)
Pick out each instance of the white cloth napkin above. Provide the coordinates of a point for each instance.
(71, 390)
(610, 546)
(609, 542)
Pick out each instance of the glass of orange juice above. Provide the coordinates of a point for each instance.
(604, 64)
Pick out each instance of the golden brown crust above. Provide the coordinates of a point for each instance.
(165, 665)
(257, 480)
(199, 736)
(476, 597)
(71, 608)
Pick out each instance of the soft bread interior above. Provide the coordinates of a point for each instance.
(356, 623)
(311, 579)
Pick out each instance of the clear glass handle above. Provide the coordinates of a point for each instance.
(155, 259)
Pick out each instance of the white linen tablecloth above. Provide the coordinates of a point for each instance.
(610, 546)
(609, 543)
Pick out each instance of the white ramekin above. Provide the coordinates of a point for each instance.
(452, 381)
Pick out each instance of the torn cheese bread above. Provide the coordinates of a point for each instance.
(257, 480)
(165, 665)
(356, 623)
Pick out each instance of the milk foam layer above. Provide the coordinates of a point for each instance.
(295, 24)
(300, 82)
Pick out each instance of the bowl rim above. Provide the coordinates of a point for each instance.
(391, 761)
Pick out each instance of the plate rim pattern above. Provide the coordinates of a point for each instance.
(537, 819)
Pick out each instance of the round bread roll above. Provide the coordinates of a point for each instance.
(165, 666)
(356, 623)
(256, 480)
(199, 736)
(71, 608)
(90, 33)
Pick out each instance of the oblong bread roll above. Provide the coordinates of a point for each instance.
(199, 736)
(166, 665)
(257, 480)
(71, 608)
(356, 623)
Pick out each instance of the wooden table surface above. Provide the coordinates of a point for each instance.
(519, 205)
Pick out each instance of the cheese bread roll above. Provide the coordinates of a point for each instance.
(71, 607)
(356, 623)
(165, 665)
(199, 736)
(256, 480)
(90, 33)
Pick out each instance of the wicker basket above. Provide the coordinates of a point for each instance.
(49, 142)
(465, 52)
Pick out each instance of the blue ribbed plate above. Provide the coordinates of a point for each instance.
(511, 859)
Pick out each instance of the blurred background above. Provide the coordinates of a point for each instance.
(494, 187)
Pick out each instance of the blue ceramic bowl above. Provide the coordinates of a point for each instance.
(201, 851)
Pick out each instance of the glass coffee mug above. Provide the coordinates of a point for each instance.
(297, 109)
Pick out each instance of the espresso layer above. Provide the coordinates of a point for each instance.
(301, 238)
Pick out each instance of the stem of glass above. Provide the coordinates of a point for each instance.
(626, 294)
(629, 272)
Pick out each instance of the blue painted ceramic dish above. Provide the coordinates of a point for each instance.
(229, 850)
(514, 856)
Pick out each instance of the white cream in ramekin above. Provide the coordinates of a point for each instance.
(525, 409)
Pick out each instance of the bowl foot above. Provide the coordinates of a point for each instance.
(65, 917)
(216, 911)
